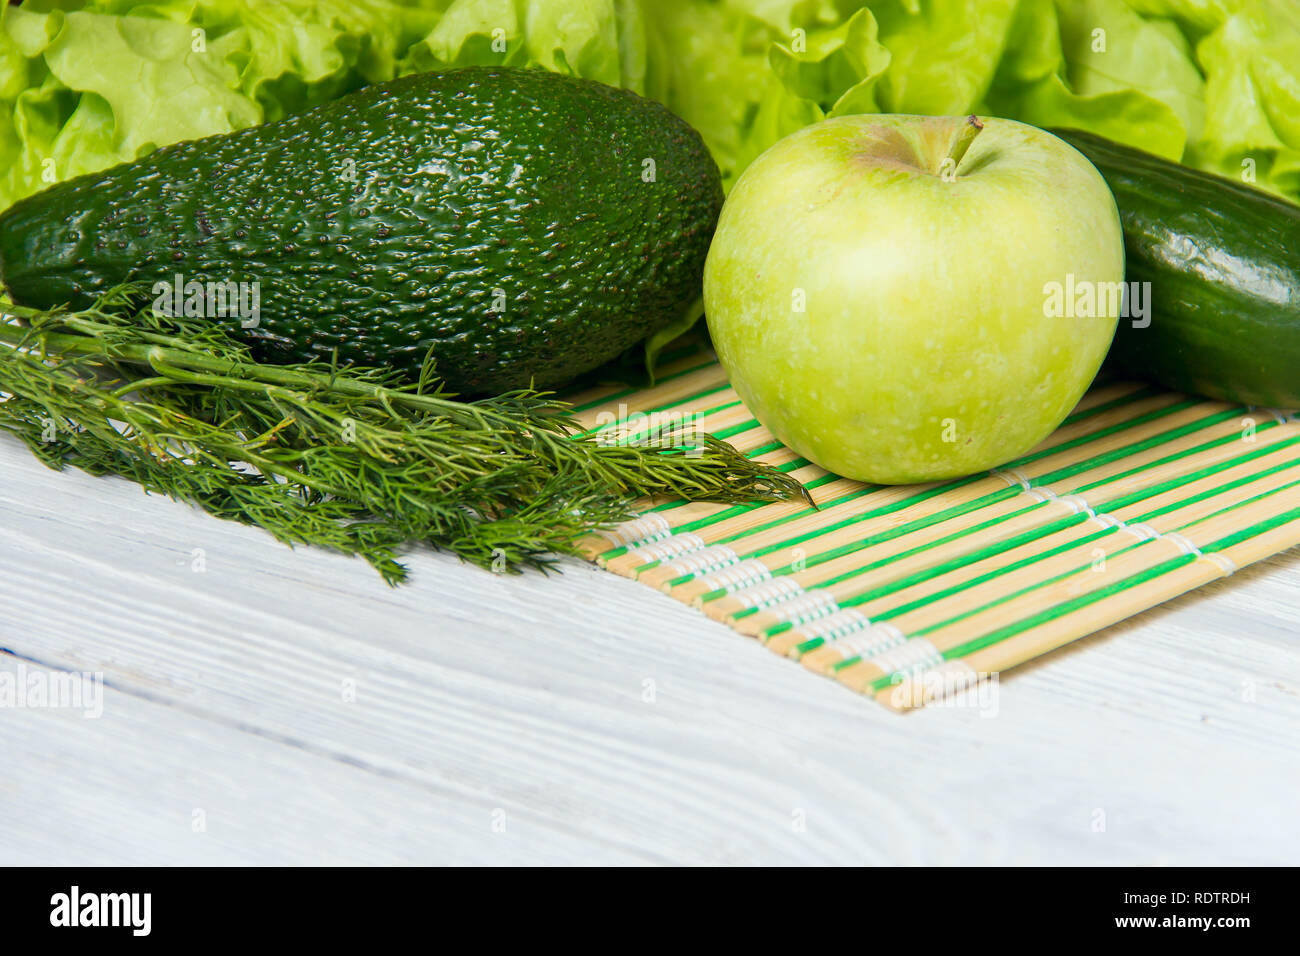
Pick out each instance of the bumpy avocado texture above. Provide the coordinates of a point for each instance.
(525, 226)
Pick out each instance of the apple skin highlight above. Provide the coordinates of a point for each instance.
(883, 313)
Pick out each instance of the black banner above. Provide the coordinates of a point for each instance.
(332, 906)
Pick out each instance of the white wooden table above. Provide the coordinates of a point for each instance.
(283, 706)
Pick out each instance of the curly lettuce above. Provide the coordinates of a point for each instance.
(86, 84)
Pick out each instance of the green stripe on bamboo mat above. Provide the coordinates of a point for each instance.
(931, 575)
(700, 524)
(792, 465)
(1025, 563)
(736, 511)
(937, 570)
(1046, 530)
(991, 498)
(1034, 620)
(629, 391)
(1092, 597)
(890, 534)
(1046, 582)
(651, 425)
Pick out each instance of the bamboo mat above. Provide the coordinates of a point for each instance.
(915, 593)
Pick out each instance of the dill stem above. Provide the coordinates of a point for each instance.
(116, 406)
(346, 458)
(229, 371)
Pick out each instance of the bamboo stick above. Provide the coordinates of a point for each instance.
(726, 607)
(991, 593)
(1170, 470)
(786, 642)
(1098, 499)
(986, 617)
(740, 524)
(697, 385)
(1071, 626)
(1101, 394)
(1083, 554)
(699, 358)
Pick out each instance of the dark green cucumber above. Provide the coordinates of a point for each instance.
(1223, 262)
(524, 225)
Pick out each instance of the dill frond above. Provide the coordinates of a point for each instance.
(343, 458)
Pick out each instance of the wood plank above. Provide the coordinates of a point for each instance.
(477, 692)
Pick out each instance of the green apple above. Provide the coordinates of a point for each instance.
(895, 296)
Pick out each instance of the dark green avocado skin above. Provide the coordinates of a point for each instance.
(506, 218)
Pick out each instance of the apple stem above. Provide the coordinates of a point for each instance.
(969, 130)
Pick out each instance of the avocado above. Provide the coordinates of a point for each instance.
(526, 226)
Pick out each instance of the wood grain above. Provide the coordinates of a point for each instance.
(600, 721)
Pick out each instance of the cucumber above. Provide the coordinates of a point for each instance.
(1223, 262)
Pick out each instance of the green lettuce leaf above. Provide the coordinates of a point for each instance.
(88, 85)
(598, 39)
(1058, 72)
(944, 53)
(1110, 49)
(1252, 121)
(1215, 83)
(1195, 17)
(828, 65)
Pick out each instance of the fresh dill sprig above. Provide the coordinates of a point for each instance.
(343, 458)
